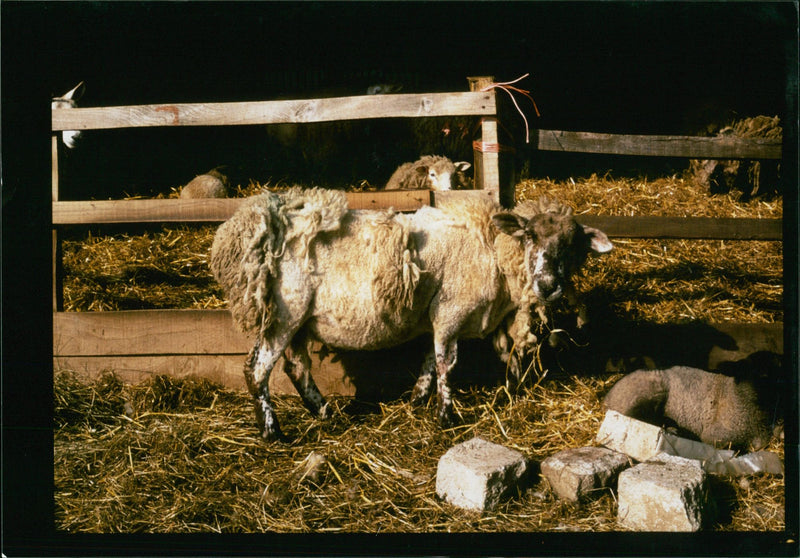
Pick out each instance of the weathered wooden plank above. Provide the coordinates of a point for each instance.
(224, 369)
(486, 159)
(137, 344)
(749, 338)
(207, 210)
(218, 210)
(686, 227)
(661, 146)
(147, 332)
(272, 112)
(204, 342)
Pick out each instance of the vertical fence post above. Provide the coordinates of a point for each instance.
(58, 270)
(487, 167)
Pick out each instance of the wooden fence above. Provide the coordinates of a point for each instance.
(137, 344)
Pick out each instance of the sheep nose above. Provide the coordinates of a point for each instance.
(547, 291)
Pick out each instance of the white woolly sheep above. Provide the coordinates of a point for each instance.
(69, 100)
(431, 172)
(212, 184)
(300, 265)
(718, 409)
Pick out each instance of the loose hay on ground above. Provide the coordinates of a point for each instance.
(181, 456)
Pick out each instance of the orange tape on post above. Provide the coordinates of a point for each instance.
(483, 147)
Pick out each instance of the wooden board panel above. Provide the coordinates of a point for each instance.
(271, 112)
(205, 343)
(749, 338)
(217, 210)
(207, 210)
(223, 369)
(147, 332)
(662, 146)
(137, 344)
(686, 227)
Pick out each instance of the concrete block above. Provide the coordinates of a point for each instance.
(632, 437)
(476, 474)
(675, 460)
(643, 441)
(574, 473)
(668, 496)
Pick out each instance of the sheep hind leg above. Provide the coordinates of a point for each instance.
(257, 369)
(297, 365)
(426, 380)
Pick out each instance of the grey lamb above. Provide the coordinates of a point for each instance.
(716, 408)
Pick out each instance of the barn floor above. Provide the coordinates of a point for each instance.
(183, 456)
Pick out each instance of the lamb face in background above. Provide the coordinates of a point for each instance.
(212, 184)
(431, 172)
(69, 100)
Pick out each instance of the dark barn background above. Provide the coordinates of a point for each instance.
(641, 67)
(669, 68)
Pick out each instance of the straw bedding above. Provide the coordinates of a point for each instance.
(173, 455)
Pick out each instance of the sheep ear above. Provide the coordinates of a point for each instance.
(598, 240)
(463, 166)
(509, 223)
(421, 170)
(75, 93)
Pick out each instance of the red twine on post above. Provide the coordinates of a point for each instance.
(507, 87)
(482, 147)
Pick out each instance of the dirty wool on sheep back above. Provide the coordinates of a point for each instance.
(247, 248)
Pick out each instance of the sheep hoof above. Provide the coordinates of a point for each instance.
(271, 436)
(447, 418)
(324, 412)
(418, 397)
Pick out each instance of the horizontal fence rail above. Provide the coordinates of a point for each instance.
(275, 112)
(137, 344)
(659, 146)
(218, 210)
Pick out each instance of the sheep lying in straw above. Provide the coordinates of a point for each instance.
(717, 408)
(300, 265)
(212, 184)
(430, 172)
(747, 176)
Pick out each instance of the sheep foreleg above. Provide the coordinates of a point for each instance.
(297, 366)
(445, 361)
(422, 389)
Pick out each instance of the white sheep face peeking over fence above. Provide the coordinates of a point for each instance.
(431, 172)
(69, 100)
(300, 265)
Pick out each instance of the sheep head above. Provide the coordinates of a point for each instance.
(555, 245)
